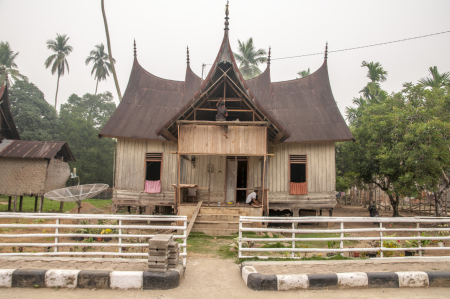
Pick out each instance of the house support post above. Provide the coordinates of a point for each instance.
(209, 180)
(235, 179)
(15, 203)
(9, 203)
(263, 185)
(61, 206)
(35, 203)
(20, 203)
(178, 202)
(41, 204)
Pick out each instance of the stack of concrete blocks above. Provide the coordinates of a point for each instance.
(174, 254)
(158, 252)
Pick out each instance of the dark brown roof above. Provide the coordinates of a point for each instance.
(147, 103)
(305, 105)
(225, 55)
(35, 149)
(7, 126)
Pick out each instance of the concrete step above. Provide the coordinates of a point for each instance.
(218, 217)
(216, 224)
(215, 231)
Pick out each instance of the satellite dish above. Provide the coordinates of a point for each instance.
(76, 193)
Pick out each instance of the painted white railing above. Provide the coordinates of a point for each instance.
(54, 222)
(416, 221)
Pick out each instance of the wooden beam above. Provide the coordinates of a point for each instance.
(229, 110)
(223, 154)
(235, 178)
(169, 136)
(223, 123)
(194, 216)
(228, 99)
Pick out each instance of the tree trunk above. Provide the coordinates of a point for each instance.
(57, 87)
(371, 201)
(96, 86)
(113, 69)
(394, 204)
(438, 204)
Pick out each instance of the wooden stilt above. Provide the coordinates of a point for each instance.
(9, 203)
(263, 186)
(41, 204)
(61, 206)
(20, 203)
(15, 203)
(179, 176)
(209, 180)
(35, 203)
(235, 178)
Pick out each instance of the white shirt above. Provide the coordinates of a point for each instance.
(250, 197)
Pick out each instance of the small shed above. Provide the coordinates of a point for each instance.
(29, 168)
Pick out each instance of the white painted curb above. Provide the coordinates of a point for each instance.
(61, 278)
(413, 279)
(6, 277)
(292, 282)
(127, 280)
(246, 272)
(353, 280)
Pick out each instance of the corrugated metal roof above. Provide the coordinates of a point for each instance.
(35, 149)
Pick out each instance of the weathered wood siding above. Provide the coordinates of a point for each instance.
(321, 171)
(241, 141)
(130, 163)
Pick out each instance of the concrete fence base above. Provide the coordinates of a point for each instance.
(91, 279)
(354, 280)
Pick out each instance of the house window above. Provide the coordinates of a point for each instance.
(298, 179)
(153, 163)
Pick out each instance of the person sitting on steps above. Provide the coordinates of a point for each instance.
(251, 199)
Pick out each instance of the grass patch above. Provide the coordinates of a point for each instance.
(50, 205)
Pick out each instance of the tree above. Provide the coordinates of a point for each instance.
(437, 80)
(58, 60)
(111, 60)
(249, 59)
(304, 73)
(101, 66)
(34, 117)
(8, 66)
(81, 121)
(375, 71)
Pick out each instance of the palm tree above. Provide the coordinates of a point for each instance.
(376, 73)
(111, 60)
(437, 80)
(8, 66)
(101, 65)
(249, 59)
(58, 60)
(304, 74)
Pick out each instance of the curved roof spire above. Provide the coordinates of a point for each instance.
(134, 49)
(326, 51)
(226, 18)
(187, 55)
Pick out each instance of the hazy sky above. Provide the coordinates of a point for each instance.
(163, 29)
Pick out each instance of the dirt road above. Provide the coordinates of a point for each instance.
(216, 278)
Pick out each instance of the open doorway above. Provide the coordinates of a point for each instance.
(236, 179)
(241, 195)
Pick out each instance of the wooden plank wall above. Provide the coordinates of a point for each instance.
(241, 141)
(321, 165)
(130, 163)
(254, 175)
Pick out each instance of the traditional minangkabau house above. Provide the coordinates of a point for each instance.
(29, 168)
(281, 139)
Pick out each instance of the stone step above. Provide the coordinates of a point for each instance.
(215, 231)
(216, 224)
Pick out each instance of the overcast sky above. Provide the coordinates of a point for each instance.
(163, 29)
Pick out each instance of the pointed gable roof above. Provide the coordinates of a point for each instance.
(148, 101)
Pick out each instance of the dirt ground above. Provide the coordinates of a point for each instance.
(217, 278)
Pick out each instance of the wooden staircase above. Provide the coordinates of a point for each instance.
(219, 221)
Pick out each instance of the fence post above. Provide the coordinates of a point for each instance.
(185, 242)
(381, 240)
(240, 237)
(120, 235)
(293, 237)
(56, 233)
(342, 236)
(419, 242)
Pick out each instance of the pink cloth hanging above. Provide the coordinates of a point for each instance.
(153, 186)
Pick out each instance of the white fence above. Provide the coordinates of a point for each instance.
(382, 225)
(53, 222)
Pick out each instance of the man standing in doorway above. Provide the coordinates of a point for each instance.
(222, 114)
(251, 199)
